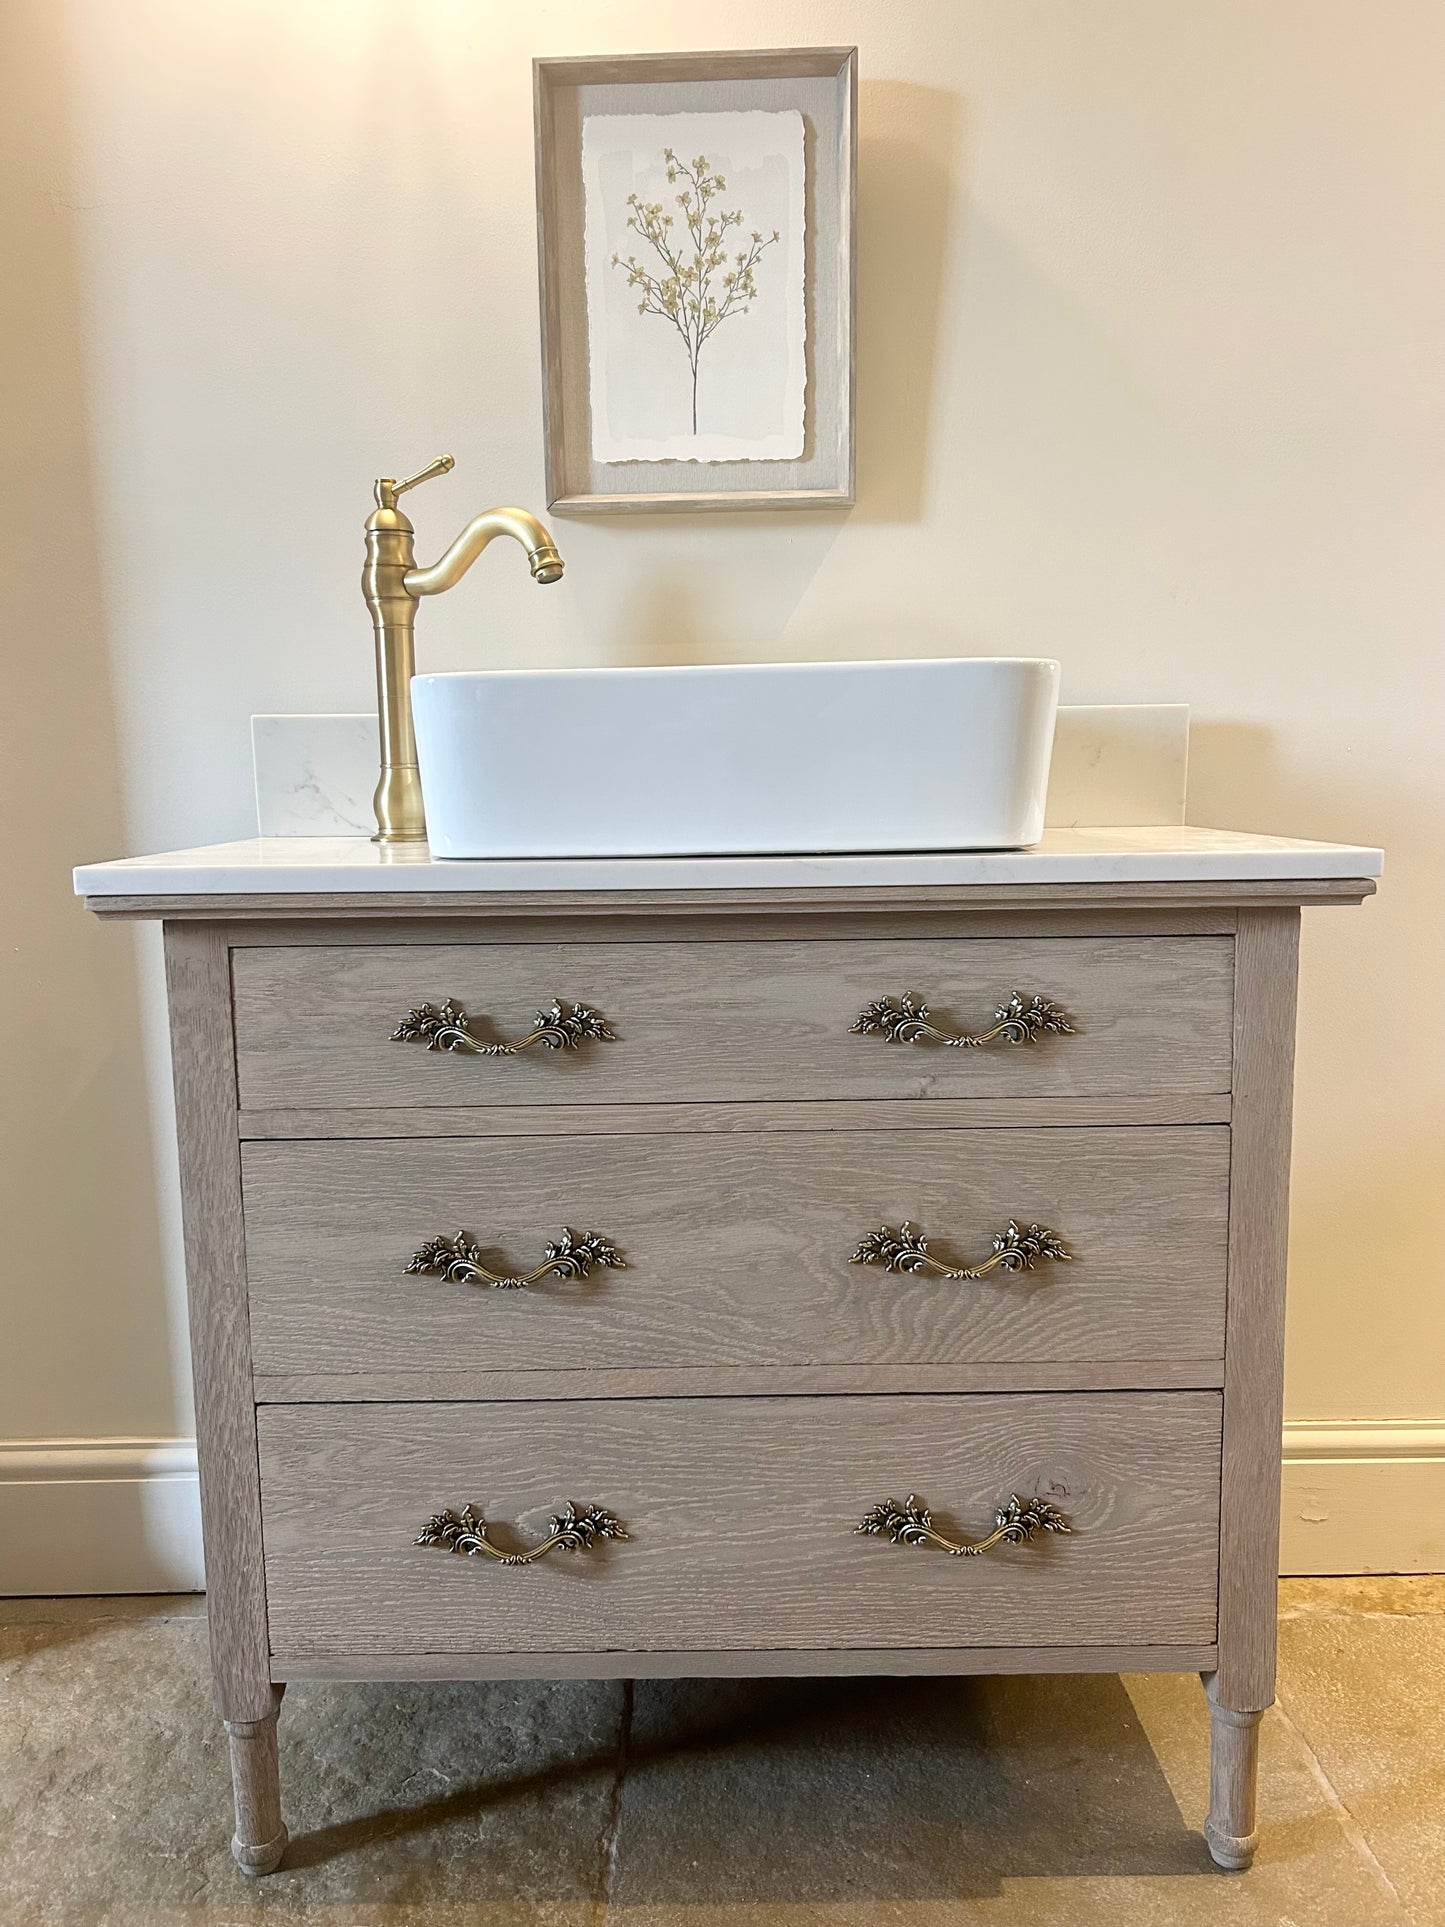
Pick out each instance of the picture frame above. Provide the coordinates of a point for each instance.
(753, 324)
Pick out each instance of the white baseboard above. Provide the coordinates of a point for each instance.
(1363, 1496)
(99, 1516)
(124, 1515)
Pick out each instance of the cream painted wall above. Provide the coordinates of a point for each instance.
(1150, 378)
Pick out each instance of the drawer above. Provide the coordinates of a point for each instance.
(730, 1021)
(737, 1249)
(741, 1517)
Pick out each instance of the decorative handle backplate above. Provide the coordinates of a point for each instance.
(904, 1020)
(911, 1524)
(459, 1260)
(562, 1027)
(577, 1529)
(1015, 1248)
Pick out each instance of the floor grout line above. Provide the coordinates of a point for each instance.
(1349, 1825)
(611, 1838)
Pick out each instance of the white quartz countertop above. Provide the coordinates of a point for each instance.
(305, 865)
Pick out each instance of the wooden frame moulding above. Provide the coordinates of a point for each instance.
(823, 83)
(772, 1663)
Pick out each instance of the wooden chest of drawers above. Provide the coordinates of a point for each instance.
(777, 1283)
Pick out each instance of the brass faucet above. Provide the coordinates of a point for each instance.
(392, 583)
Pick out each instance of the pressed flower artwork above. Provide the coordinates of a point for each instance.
(685, 275)
(695, 251)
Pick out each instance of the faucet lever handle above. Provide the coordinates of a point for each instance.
(387, 488)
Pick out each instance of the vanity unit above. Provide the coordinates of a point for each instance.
(737, 1266)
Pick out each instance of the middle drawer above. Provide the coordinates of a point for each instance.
(738, 1250)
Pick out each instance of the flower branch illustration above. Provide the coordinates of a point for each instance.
(696, 277)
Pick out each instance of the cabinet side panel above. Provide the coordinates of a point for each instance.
(202, 1056)
(1266, 965)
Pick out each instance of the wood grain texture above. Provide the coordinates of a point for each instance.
(1266, 967)
(774, 1662)
(737, 1249)
(732, 1022)
(260, 1838)
(822, 84)
(1230, 1830)
(462, 1383)
(741, 1513)
(823, 1114)
(726, 63)
(740, 1394)
(881, 900)
(198, 985)
(722, 926)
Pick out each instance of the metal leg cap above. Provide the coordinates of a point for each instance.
(1231, 1851)
(259, 1860)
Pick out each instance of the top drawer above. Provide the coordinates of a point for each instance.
(731, 1021)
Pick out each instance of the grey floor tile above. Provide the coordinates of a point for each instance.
(929, 1802)
(407, 1804)
(1010, 1802)
(1366, 1692)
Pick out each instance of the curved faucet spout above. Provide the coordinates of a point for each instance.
(542, 553)
(392, 585)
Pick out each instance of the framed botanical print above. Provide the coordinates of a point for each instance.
(695, 217)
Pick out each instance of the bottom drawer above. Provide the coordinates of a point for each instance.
(741, 1515)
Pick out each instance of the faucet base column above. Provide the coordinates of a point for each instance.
(400, 815)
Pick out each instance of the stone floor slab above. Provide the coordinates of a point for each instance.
(803, 1803)
(487, 1804)
(1366, 1693)
(940, 1802)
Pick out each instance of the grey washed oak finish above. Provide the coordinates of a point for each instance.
(737, 1250)
(468, 1381)
(206, 936)
(198, 990)
(742, 1516)
(742, 1021)
(653, 1120)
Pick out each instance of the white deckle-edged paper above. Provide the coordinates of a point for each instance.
(742, 367)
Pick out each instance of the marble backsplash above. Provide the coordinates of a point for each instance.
(1120, 765)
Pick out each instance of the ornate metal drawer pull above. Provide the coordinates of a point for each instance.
(459, 1260)
(911, 1524)
(1014, 1249)
(574, 1530)
(904, 1020)
(562, 1027)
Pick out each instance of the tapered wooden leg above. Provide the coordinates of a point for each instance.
(1242, 1684)
(1229, 1832)
(260, 1837)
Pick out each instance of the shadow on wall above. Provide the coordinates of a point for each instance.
(1362, 1165)
(733, 598)
(85, 1349)
(718, 588)
(671, 624)
(1239, 781)
(907, 178)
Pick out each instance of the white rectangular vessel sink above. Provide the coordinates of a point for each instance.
(737, 759)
